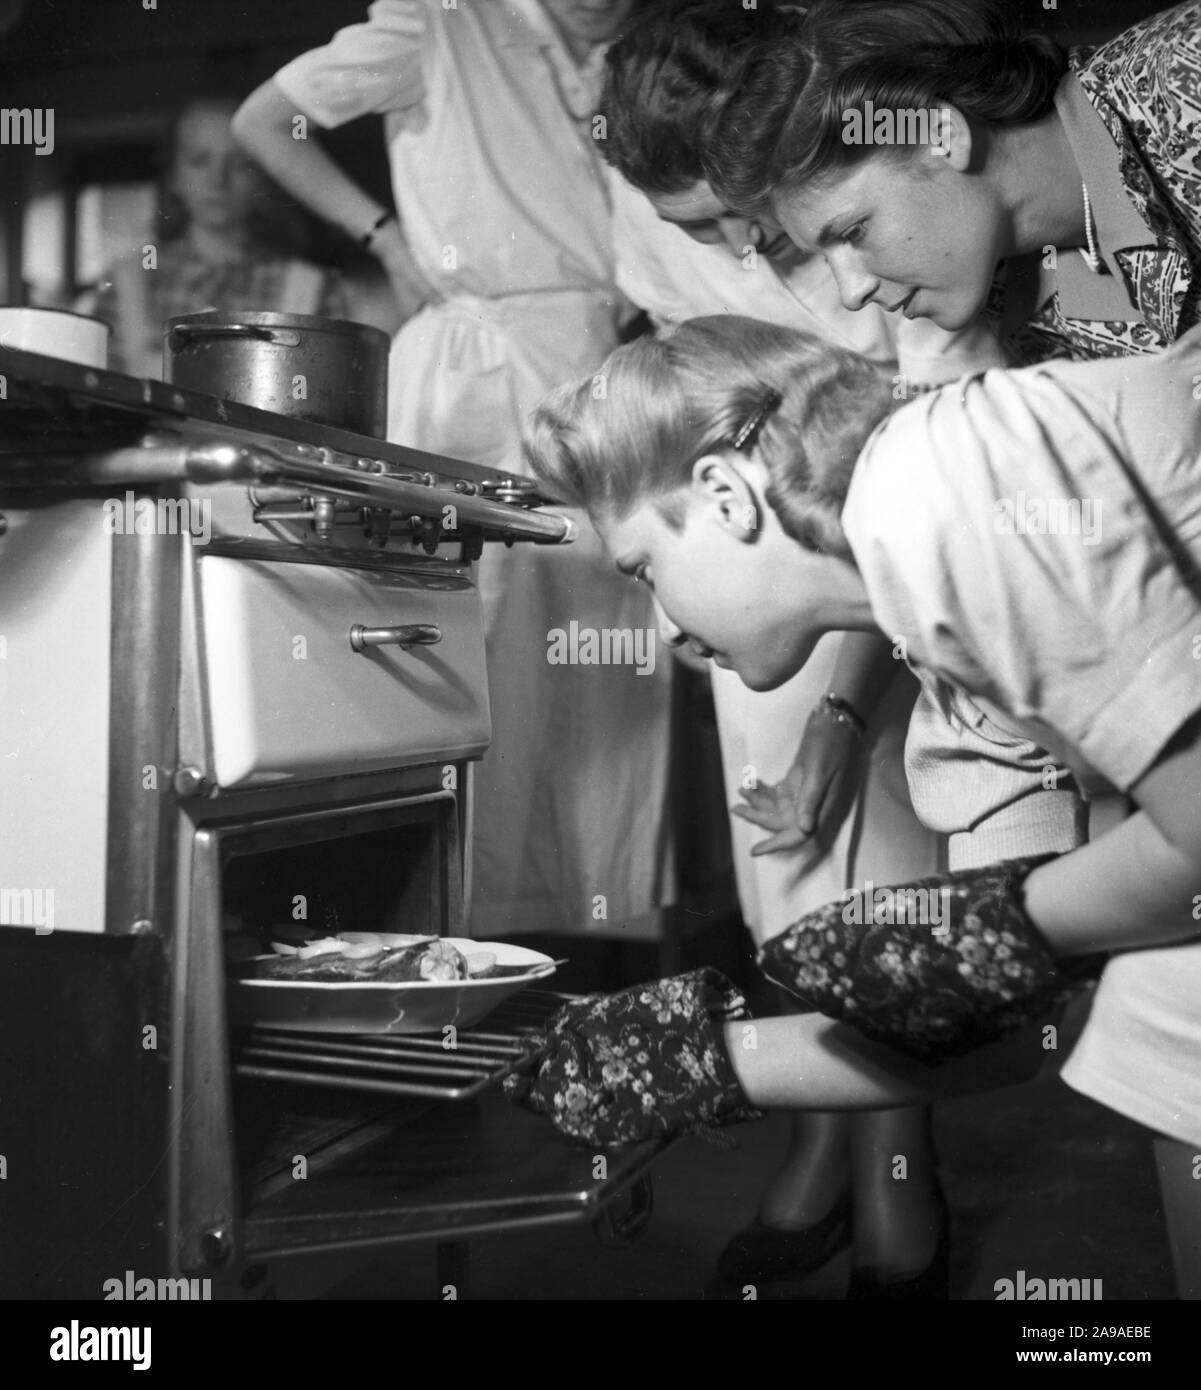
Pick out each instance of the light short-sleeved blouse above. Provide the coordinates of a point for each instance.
(999, 536)
(1034, 620)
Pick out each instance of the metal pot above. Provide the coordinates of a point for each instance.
(330, 371)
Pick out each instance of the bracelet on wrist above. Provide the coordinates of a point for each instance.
(370, 234)
(843, 712)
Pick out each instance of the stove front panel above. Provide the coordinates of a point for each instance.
(55, 617)
(288, 698)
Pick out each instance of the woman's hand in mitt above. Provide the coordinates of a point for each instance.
(645, 1063)
(934, 968)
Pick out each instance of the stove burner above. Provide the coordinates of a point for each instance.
(514, 491)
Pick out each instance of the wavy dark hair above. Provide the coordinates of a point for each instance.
(670, 78)
(785, 127)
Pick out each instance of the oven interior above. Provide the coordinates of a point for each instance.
(298, 1142)
(388, 872)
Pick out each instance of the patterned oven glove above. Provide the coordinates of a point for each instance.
(645, 1063)
(976, 969)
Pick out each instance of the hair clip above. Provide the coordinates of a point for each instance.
(754, 421)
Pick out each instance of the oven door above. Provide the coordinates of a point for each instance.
(299, 1142)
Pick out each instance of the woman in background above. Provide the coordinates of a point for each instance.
(212, 249)
(503, 233)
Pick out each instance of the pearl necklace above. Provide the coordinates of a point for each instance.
(1092, 257)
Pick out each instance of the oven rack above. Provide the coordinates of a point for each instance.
(417, 1065)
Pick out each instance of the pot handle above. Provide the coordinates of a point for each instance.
(282, 337)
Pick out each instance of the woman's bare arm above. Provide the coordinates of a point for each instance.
(1139, 885)
(864, 670)
(816, 793)
(276, 136)
(810, 1062)
(279, 138)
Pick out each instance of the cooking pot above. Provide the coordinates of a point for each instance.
(329, 371)
(55, 333)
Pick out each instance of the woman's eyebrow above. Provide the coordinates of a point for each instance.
(828, 232)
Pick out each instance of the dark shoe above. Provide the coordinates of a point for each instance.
(929, 1285)
(762, 1254)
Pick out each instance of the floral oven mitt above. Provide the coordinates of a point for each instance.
(975, 969)
(645, 1063)
(651, 1061)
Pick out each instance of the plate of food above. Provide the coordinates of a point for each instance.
(380, 982)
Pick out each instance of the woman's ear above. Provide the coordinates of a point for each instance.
(718, 484)
(950, 138)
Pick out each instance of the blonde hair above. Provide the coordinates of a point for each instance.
(632, 432)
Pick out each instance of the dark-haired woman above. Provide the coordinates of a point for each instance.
(919, 146)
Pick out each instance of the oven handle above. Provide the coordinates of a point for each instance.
(406, 635)
(617, 1231)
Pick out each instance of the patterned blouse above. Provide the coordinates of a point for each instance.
(1145, 85)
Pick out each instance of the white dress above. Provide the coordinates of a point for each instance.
(506, 210)
(674, 278)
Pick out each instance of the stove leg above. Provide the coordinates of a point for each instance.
(453, 1268)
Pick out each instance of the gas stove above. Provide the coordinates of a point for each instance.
(242, 678)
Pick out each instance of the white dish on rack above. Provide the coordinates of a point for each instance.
(380, 1006)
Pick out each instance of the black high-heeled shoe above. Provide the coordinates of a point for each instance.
(763, 1254)
(931, 1284)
